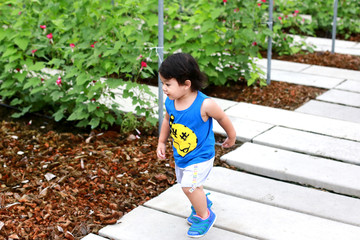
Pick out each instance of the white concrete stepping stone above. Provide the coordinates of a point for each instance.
(305, 79)
(92, 236)
(258, 220)
(144, 223)
(296, 120)
(282, 65)
(331, 110)
(225, 104)
(349, 85)
(333, 72)
(311, 143)
(245, 129)
(328, 42)
(296, 167)
(341, 97)
(285, 195)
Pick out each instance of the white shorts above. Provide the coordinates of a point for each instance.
(194, 176)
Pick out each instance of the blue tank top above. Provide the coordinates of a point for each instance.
(193, 139)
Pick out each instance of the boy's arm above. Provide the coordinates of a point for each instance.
(164, 135)
(212, 109)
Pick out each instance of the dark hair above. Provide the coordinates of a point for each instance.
(182, 67)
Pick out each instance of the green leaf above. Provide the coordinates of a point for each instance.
(91, 107)
(7, 83)
(37, 66)
(59, 115)
(82, 78)
(110, 118)
(59, 23)
(38, 89)
(57, 62)
(20, 76)
(94, 122)
(22, 113)
(2, 34)
(110, 52)
(82, 123)
(16, 101)
(73, 116)
(32, 82)
(56, 95)
(9, 52)
(22, 42)
(114, 83)
(15, 57)
(99, 113)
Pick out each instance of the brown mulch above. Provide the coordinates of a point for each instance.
(345, 61)
(58, 182)
(61, 183)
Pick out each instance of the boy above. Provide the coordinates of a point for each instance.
(188, 120)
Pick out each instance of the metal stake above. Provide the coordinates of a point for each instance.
(334, 26)
(161, 54)
(269, 50)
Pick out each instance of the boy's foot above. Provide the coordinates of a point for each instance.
(201, 226)
(193, 212)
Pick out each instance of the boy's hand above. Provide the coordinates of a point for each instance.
(160, 151)
(229, 142)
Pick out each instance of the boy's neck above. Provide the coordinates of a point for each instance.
(185, 101)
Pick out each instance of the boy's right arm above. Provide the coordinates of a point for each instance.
(164, 135)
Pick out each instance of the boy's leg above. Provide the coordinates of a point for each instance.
(198, 200)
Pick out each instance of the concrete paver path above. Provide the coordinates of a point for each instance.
(298, 174)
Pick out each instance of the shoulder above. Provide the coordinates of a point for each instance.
(209, 105)
(211, 108)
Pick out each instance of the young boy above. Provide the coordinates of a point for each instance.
(189, 121)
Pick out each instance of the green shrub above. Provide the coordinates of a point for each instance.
(93, 47)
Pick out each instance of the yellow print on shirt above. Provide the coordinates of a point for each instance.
(184, 139)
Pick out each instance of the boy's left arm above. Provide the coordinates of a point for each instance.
(212, 109)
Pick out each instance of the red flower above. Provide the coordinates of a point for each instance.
(143, 64)
(42, 80)
(254, 43)
(43, 26)
(259, 4)
(72, 45)
(280, 18)
(264, 1)
(236, 10)
(49, 36)
(93, 100)
(224, 1)
(33, 51)
(93, 45)
(58, 82)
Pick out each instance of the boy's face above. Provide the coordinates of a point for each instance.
(172, 88)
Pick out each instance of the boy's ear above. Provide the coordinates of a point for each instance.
(188, 83)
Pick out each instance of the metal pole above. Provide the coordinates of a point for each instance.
(334, 26)
(269, 50)
(161, 54)
(112, 2)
